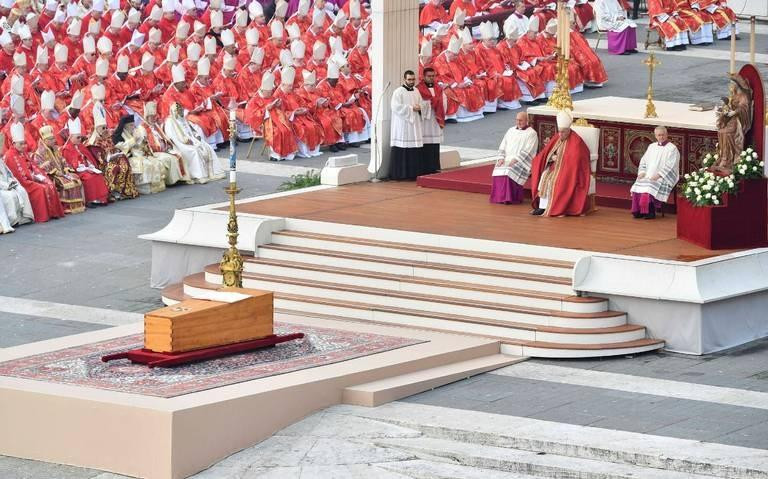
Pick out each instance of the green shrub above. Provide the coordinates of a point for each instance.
(305, 180)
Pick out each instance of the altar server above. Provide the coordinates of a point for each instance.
(560, 173)
(622, 32)
(407, 137)
(512, 171)
(432, 121)
(657, 176)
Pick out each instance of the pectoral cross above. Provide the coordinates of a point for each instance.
(651, 63)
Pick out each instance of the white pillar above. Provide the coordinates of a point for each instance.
(394, 49)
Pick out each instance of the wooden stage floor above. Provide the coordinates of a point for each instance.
(405, 206)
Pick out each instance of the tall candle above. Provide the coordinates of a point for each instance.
(232, 144)
(733, 48)
(752, 40)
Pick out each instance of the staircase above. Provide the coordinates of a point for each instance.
(526, 303)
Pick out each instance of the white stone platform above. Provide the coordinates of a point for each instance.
(172, 438)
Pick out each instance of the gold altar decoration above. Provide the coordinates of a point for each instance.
(231, 265)
(561, 96)
(651, 62)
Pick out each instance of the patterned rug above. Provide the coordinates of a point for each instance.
(82, 365)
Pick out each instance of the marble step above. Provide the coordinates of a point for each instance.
(417, 269)
(429, 286)
(423, 253)
(506, 432)
(535, 463)
(423, 302)
(380, 392)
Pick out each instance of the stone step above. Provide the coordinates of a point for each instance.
(418, 269)
(583, 343)
(380, 392)
(481, 429)
(536, 463)
(424, 302)
(422, 253)
(421, 469)
(429, 286)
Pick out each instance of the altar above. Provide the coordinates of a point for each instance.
(625, 133)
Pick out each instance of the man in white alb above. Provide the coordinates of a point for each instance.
(512, 171)
(407, 138)
(657, 176)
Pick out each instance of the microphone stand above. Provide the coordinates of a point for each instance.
(374, 146)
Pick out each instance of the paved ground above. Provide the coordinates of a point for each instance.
(96, 262)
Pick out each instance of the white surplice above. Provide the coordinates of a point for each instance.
(406, 131)
(663, 160)
(518, 148)
(611, 16)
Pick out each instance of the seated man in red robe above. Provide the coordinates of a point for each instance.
(308, 132)
(560, 173)
(43, 196)
(79, 157)
(322, 111)
(433, 15)
(264, 114)
(584, 16)
(497, 69)
(465, 99)
(533, 55)
(670, 26)
(548, 41)
(529, 78)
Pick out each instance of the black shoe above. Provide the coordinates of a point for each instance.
(452, 120)
(368, 141)
(341, 146)
(633, 51)
(538, 212)
(637, 216)
(650, 216)
(334, 148)
(353, 145)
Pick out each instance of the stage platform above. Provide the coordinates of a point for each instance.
(477, 179)
(406, 206)
(59, 403)
(397, 254)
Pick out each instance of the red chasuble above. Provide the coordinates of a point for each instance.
(571, 185)
(435, 100)
(433, 13)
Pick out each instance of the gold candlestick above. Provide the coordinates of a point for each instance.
(561, 96)
(231, 265)
(651, 62)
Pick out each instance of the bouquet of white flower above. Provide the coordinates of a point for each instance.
(748, 166)
(705, 188)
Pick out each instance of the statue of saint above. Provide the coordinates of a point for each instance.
(734, 120)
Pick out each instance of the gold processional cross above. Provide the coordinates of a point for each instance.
(651, 62)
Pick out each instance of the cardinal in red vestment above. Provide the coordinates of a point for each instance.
(560, 174)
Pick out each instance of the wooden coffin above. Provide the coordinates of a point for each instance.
(201, 323)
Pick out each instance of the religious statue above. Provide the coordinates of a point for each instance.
(734, 120)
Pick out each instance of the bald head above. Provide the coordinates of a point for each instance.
(521, 121)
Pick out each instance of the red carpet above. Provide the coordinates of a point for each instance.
(477, 179)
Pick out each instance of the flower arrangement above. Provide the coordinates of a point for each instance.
(705, 188)
(748, 166)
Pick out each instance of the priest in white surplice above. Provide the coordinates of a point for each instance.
(622, 32)
(657, 176)
(512, 171)
(407, 138)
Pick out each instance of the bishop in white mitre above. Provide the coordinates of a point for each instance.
(610, 16)
(512, 171)
(407, 137)
(657, 176)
